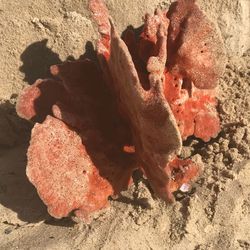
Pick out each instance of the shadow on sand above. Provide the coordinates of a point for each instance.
(16, 192)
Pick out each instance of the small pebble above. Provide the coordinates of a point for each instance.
(8, 230)
(184, 187)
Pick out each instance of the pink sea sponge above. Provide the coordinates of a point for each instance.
(195, 49)
(66, 177)
(195, 61)
(194, 109)
(98, 124)
(76, 158)
(36, 101)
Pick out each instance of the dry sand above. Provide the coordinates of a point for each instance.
(215, 214)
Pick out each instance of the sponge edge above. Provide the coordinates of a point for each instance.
(35, 101)
(194, 109)
(64, 174)
(195, 48)
(76, 159)
(154, 129)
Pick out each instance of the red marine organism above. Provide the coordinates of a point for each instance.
(75, 158)
(96, 124)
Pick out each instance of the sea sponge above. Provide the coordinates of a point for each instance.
(98, 123)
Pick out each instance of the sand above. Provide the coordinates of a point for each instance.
(215, 214)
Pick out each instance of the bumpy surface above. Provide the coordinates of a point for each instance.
(191, 71)
(194, 109)
(195, 48)
(155, 133)
(153, 126)
(82, 152)
(49, 160)
(76, 167)
(36, 101)
(64, 173)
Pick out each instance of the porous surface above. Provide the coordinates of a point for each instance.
(195, 48)
(153, 126)
(77, 100)
(82, 158)
(49, 161)
(63, 173)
